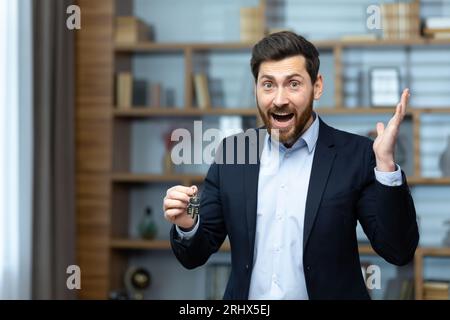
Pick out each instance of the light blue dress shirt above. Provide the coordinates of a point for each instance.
(282, 190)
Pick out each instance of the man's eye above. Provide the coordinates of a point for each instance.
(294, 84)
(267, 85)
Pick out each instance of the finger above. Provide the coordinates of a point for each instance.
(194, 190)
(177, 195)
(404, 101)
(380, 128)
(171, 214)
(183, 189)
(174, 204)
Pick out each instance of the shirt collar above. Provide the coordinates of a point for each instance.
(309, 137)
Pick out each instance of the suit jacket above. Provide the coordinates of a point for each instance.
(342, 189)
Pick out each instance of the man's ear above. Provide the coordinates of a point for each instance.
(318, 87)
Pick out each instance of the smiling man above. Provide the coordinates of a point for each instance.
(292, 227)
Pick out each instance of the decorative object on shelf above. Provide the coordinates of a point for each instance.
(401, 20)
(136, 280)
(147, 227)
(384, 86)
(444, 160)
(131, 29)
(400, 149)
(252, 22)
(118, 295)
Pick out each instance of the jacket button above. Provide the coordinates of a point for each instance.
(308, 268)
(246, 266)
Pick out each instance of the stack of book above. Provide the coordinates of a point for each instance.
(131, 29)
(436, 290)
(132, 92)
(401, 20)
(253, 24)
(437, 28)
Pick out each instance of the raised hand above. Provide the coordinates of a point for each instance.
(384, 144)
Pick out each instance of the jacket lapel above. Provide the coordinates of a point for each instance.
(251, 174)
(321, 166)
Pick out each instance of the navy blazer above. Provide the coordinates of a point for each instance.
(342, 189)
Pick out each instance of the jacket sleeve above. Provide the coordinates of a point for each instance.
(387, 215)
(211, 232)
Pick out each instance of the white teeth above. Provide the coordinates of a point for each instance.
(281, 114)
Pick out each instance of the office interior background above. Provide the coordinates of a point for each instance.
(89, 98)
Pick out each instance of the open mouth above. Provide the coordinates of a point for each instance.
(282, 117)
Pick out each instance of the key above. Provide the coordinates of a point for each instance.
(193, 206)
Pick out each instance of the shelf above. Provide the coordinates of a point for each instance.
(138, 244)
(428, 181)
(148, 112)
(322, 44)
(434, 252)
(154, 178)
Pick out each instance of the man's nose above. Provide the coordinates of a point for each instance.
(280, 99)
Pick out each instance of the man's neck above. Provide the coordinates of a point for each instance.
(307, 125)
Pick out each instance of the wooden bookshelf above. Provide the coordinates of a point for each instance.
(421, 254)
(233, 46)
(148, 111)
(104, 178)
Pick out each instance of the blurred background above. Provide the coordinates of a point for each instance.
(90, 92)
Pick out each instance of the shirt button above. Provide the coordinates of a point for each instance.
(282, 186)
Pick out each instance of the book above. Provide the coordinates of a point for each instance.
(202, 91)
(140, 92)
(437, 22)
(124, 90)
(155, 95)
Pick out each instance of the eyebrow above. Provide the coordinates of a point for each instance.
(287, 77)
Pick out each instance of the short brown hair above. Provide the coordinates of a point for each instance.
(285, 44)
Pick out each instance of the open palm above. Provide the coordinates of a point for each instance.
(384, 144)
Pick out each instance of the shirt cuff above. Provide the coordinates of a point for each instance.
(390, 179)
(186, 235)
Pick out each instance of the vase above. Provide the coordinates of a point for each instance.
(147, 225)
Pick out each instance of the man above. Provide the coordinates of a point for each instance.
(292, 227)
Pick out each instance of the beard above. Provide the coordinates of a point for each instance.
(289, 135)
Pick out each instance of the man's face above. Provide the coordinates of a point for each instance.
(284, 96)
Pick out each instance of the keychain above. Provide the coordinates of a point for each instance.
(193, 206)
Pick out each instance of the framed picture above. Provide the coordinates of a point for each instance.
(384, 86)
